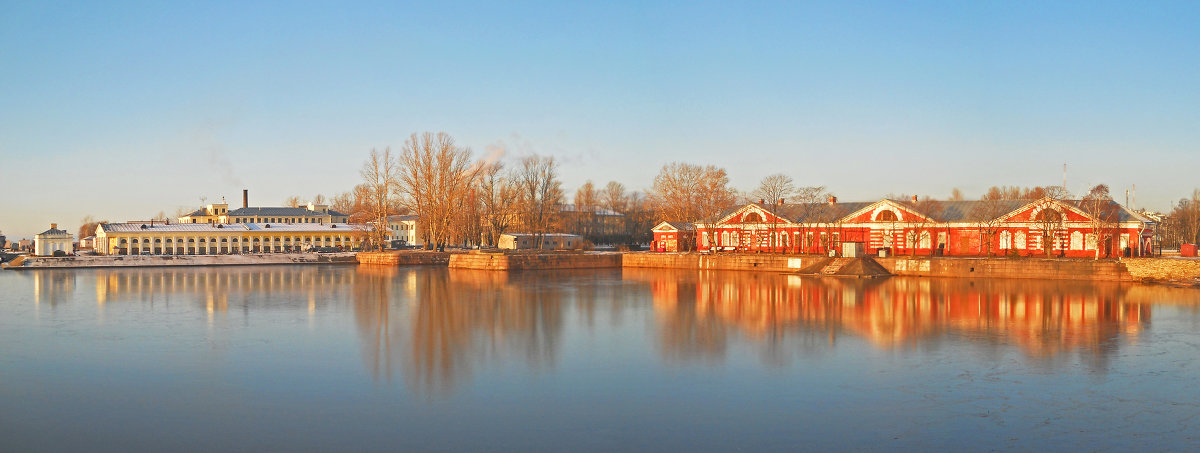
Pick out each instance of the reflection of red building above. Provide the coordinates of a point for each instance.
(1042, 318)
(1021, 227)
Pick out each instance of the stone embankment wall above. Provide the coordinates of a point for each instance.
(1163, 269)
(403, 258)
(1045, 269)
(67, 262)
(1129, 269)
(733, 262)
(530, 261)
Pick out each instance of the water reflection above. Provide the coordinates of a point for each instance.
(53, 287)
(700, 314)
(434, 325)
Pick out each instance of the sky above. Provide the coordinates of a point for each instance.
(120, 110)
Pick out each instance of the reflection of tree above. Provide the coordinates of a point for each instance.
(456, 319)
(698, 312)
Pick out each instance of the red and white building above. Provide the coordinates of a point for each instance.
(961, 228)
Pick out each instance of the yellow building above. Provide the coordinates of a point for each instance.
(220, 213)
(216, 238)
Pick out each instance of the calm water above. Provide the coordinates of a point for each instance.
(309, 358)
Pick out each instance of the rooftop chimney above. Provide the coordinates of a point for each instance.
(53, 226)
(832, 200)
(761, 201)
(245, 198)
(781, 201)
(914, 198)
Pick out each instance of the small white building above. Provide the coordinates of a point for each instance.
(550, 241)
(53, 240)
(403, 229)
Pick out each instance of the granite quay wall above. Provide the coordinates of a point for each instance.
(403, 258)
(1045, 269)
(731, 262)
(1181, 270)
(530, 261)
(67, 262)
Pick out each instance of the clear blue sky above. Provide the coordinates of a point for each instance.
(121, 110)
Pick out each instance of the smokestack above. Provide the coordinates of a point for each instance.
(245, 198)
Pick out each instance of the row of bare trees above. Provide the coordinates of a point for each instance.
(457, 199)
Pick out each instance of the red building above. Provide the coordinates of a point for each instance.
(1072, 228)
(674, 237)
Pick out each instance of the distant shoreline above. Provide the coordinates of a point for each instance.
(119, 261)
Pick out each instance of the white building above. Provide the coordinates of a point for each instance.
(53, 240)
(403, 229)
(550, 241)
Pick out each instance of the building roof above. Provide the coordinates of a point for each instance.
(570, 207)
(232, 227)
(549, 235)
(280, 211)
(401, 218)
(679, 226)
(54, 232)
(947, 211)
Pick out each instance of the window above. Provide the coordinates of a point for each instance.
(1005, 240)
(1020, 240)
(1077, 241)
(1090, 241)
(752, 217)
(886, 216)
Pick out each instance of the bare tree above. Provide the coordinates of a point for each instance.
(586, 200)
(956, 195)
(921, 228)
(692, 193)
(436, 179)
(379, 176)
(986, 214)
(87, 226)
(1103, 214)
(774, 190)
(355, 204)
(540, 193)
(498, 194)
(318, 199)
(1049, 220)
(295, 201)
(613, 197)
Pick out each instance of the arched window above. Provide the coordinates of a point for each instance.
(886, 216)
(1076, 240)
(752, 217)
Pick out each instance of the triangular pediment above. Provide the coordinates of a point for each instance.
(872, 212)
(753, 214)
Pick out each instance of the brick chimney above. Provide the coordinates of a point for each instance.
(832, 200)
(914, 199)
(53, 226)
(762, 201)
(781, 202)
(245, 198)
